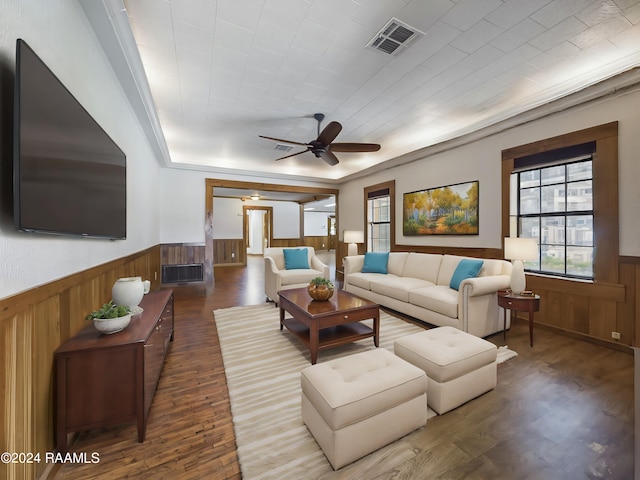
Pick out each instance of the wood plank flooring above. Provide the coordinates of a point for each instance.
(562, 410)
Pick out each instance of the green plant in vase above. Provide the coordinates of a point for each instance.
(320, 288)
(110, 318)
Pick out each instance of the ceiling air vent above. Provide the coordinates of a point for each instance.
(282, 148)
(394, 37)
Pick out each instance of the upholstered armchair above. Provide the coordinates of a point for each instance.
(290, 267)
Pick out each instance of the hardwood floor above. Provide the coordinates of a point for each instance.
(563, 409)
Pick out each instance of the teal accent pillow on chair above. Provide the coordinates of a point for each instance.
(375, 262)
(295, 258)
(467, 268)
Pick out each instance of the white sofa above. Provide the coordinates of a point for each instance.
(417, 284)
(277, 277)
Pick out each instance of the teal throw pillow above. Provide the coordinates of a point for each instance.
(375, 262)
(295, 258)
(467, 268)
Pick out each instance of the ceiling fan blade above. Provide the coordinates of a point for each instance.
(329, 157)
(329, 133)
(292, 155)
(284, 141)
(354, 147)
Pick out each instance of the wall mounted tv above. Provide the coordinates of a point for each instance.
(69, 177)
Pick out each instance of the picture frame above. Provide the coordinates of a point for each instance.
(447, 210)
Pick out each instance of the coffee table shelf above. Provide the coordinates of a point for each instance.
(330, 336)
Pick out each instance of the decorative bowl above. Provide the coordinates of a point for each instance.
(111, 325)
(320, 292)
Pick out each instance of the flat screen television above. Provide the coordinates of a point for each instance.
(69, 177)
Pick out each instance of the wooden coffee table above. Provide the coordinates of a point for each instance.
(321, 325)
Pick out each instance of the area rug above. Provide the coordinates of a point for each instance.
(262, 365)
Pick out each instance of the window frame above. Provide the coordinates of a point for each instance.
(541, 214)
(389, 186)
(605, 192)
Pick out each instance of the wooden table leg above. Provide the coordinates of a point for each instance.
(376, 330)
(281, 316)
(531, 324)
(314, 339)
(504, 329)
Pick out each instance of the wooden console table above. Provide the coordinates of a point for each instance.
(110, 379)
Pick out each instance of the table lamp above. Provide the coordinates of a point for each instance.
(519, 249)
(353, 237)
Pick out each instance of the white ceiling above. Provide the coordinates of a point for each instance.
(222, 72)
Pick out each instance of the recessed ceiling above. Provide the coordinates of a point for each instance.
(222, 72)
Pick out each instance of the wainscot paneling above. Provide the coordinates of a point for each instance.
(32, 326)
(181, 253)
(588, 310)
(227, 252)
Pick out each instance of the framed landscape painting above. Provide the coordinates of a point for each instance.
(450, 210)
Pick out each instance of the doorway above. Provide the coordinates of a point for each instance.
(257, 223)
(331, 232)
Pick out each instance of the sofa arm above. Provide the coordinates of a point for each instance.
(353, 264)
(272, 280)
(317, 264)
(483, 285)
(478, 305)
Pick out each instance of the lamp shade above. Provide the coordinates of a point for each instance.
(519, 248)
(353, 236)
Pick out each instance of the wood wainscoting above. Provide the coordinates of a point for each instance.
(229, 252)
(32, 326)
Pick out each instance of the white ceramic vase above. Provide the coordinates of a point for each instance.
(128, 291)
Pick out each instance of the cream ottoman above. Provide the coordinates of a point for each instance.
(459, 366)
(357, 404)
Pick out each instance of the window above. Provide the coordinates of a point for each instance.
(554, 205)
(379, 217)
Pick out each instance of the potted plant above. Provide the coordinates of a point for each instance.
(320, 288)
(110, 318)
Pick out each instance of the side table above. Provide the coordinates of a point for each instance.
(521, 303)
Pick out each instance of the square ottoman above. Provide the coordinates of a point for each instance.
(357, 404)
(459, 366)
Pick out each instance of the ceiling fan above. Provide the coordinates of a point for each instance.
(322, 147)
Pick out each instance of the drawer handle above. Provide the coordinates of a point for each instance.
(346, 317)
(510, 303)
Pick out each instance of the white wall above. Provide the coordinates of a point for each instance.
(316, 224)
(59, 33)
(481, 160)
(182, 204)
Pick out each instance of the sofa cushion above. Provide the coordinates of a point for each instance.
(277, 254)
(363, 280)
(396, 262)
(298, 275)
(295, 258)
(493, 267)
(422, 265)
(439, 298)
(375, 262)
(467, 268)
(447, 267)
(397, 287)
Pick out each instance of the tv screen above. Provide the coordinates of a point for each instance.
(69, 176)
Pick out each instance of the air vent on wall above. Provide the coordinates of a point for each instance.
(193, 272)
(394, 37)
